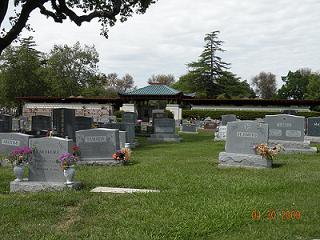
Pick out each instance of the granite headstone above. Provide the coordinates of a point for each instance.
(64, 122)
(228, 118)
(97, 145)
(45, 165)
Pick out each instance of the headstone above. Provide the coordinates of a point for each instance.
(288, 130)
(228, 118)
(83, 123)
(158, 113)
(210, 125)
(313, 129)
(313, 126)
(285, 127)
(164, 131)
(5, 123)
(242, 137)
(128, 127)
(221, 134)
(16, 125)
(40, 122)
(188, 128)
(10, 141)
(123, 136)
(64, 122)
(290, 112)
(45, 165)
(98, 145)
(45, 173)
(129, 117)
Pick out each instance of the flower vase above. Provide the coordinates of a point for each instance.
(69, 174)
(18, 171)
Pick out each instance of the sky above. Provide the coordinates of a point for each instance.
(264, 35)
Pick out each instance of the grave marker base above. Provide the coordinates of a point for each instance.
(294, 147)
(164, 137)
(99, 162)
(312, 139)
(243, 160)
(34, 186)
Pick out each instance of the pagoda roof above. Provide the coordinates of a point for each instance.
(153, 90)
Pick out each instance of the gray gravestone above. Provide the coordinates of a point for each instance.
(158, 113)
(164, 131)
(45, 164)
(64, 122)
(129, 117)
(189, 128)
(164, 125)
(97, 145)
(313, 126)
(83, 123)
(221, 134)
(5, 123)
(228, 118)
(15, 125)
(285, 127)
(123, 136)
(128, 127)
(40, 122)
(242, 136)
(10, 141)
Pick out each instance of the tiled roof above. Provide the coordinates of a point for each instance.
(153, 90)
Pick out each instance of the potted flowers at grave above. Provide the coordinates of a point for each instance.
(123, 155)
(268, 152)
(20, 157)
(68, 162)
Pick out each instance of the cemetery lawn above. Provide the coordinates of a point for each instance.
(197, 199)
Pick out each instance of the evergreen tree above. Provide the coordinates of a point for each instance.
(209, 66)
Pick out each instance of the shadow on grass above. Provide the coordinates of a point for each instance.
(278, 165)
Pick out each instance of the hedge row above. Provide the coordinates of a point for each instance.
(243, 115)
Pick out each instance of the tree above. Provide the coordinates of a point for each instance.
(209, 66)
(265, 85)
(313, 88)
(185, 83)
(71, 69)
(106, 11)
(21, 73)
(295, 84)
(231, 86)
(163, 79)
(113, 83)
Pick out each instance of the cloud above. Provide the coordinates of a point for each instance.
(264, 35)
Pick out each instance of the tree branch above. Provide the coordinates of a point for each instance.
(3, 9)
(87, 18)
(27, 8)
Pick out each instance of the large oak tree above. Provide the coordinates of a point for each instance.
(78, 11)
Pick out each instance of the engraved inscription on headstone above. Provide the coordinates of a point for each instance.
(45, 165)
(285, 127)
(242, 136)
(98, 144)
(9, 141)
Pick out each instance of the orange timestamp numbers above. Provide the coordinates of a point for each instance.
(273, 215)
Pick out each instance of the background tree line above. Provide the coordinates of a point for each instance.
(65, 71)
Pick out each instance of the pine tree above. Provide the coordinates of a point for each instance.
(210, 66)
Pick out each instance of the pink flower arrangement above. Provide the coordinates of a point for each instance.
(20, 155)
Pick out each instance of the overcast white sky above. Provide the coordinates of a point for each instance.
(260, 35)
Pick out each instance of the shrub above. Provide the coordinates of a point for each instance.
(243, 115)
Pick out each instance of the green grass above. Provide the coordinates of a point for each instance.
(197, 199)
